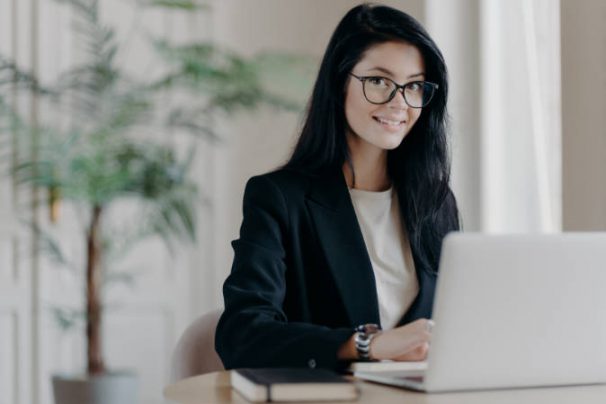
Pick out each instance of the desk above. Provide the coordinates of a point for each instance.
(215, 388)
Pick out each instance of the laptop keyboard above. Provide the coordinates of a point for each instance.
(416, 379)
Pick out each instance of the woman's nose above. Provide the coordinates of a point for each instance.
(398, 100)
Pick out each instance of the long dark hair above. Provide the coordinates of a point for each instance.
(420, 167)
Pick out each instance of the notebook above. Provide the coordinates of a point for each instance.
(515, 311)
(412, 368)
(296, 384)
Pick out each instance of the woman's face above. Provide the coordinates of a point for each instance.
(382, 126)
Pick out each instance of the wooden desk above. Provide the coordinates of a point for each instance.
(215, 388)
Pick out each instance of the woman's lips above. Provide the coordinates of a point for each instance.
(390, 124)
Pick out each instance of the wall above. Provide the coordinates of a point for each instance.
(584, 114)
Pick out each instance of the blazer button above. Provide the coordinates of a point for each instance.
(311, 363)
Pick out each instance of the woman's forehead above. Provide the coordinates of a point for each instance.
(400, 60)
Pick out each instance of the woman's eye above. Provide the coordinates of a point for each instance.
(377, 81)
(414, 87)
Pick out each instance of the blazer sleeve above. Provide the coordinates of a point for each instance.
(254, 330)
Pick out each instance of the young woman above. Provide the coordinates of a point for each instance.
(338, 251)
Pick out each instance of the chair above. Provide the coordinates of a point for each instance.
(195, 352)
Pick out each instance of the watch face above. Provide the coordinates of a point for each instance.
(368, 329)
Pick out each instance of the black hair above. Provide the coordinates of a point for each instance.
(420, 166)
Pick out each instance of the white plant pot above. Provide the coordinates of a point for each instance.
(107, 388)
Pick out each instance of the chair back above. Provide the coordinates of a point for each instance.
(195, 352)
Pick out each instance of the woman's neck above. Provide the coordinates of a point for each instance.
(369, 165)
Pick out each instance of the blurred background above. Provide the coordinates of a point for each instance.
(196, 97)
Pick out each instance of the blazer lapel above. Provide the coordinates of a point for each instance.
(343, 246)
(423, 304)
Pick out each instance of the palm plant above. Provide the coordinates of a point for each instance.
(114, 147)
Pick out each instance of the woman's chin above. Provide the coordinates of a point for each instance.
(391, 143)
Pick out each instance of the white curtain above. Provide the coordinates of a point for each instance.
(504, 59)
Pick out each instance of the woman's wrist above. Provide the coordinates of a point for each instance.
(348, 351)
(364, 336)
(373, 345)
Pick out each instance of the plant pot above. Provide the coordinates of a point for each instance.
(107, 388)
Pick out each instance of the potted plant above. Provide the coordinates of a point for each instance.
(113, 151)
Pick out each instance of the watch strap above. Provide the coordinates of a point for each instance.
(363, 336)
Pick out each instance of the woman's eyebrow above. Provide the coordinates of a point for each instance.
(387, 71)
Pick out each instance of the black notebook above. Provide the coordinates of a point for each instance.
(280, 384)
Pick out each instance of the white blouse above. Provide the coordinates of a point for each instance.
(378, 214)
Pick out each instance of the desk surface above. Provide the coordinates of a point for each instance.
(215, 388)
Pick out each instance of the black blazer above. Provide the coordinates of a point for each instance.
(301, 277)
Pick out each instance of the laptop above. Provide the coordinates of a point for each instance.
(515, 311)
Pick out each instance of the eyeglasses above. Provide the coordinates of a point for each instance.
(381, 90)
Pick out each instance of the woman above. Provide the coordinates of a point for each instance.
(345, 238)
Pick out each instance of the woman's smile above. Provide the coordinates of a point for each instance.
(390, 124)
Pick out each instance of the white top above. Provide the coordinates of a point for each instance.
(378, 214)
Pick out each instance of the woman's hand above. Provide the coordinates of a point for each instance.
(409, 342)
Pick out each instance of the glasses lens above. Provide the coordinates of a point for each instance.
(378, 89)
(418, 93)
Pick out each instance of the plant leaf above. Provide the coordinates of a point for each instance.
(186, 5)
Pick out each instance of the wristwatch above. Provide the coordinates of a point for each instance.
(364, 334)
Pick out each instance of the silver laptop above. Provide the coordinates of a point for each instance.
(515, 311)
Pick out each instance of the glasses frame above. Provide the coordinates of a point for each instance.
(398, 87)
